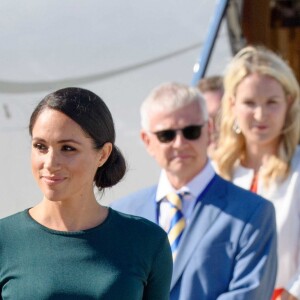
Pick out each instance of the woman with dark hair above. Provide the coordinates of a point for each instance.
(69, 246)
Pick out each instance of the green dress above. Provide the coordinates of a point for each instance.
(124, 258)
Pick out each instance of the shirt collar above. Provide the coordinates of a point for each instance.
(194, 187)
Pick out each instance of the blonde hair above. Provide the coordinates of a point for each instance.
(170, 96)
(231, 146)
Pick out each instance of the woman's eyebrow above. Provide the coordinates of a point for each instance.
(59, 141)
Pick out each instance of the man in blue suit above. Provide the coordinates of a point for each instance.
(228, 246)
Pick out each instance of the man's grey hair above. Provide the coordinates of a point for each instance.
(169, 97)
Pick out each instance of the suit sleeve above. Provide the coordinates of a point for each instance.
(255, 265)
(159, 280)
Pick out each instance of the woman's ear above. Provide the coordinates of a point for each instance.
(105, 153)
(289, 100)
(232, 103)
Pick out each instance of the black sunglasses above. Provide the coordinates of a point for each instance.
(192, 132)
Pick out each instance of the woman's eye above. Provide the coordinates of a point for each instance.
(68, 148)
(249, 103)
(39, 146)
(272, 102)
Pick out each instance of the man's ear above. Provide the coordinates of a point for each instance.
(145, 137)
(146, 140)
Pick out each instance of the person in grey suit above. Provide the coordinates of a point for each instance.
(227, 246)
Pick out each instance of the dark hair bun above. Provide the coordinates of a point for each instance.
(112, 171)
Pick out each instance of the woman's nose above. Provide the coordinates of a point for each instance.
(259, 112)
(52, 160)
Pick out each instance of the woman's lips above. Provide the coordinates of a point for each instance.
(261, 127)
(52, 180)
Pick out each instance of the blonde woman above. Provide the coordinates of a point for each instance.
(258, 147)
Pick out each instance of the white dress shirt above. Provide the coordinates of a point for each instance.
(195, 187)
(286, 199)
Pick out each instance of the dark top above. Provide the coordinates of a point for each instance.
(125, 257)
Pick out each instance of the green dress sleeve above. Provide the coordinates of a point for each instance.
(158, 284)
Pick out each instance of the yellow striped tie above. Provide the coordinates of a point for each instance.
(177, 223)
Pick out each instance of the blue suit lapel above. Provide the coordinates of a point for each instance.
(205, 213)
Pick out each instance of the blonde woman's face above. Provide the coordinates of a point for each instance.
(260, 108)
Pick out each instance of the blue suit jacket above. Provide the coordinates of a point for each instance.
(228, 250)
